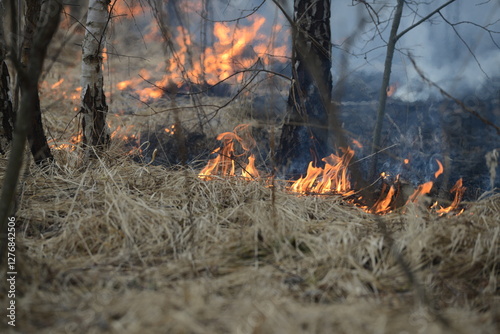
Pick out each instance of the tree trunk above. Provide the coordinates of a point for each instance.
(6, 112)
(28, 79)
(391, 46)
(304, 134)
(94, 108)
(36, 135)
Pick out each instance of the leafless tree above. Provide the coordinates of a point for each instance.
(94, 108)
(6, 111)
(306, 128)
(28, 80)
(36, 135)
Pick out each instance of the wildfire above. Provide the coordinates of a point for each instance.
(333, 178)
(224, 164)
(71, 145)
(237, 47)
(459, 191)
(170, 129)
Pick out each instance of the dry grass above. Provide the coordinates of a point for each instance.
(119, 247)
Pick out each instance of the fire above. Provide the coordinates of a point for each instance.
(440, 169)
(392, 89)
(237, 47)
(249, 171)
(334, 176)
(383, 204)
(72, 144)
(57, 84)
(170, 129)
(421, 190)
(127, 9)
(225, 162)
(459, 191)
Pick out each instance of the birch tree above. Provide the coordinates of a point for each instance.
(94, 108)
(305, 131)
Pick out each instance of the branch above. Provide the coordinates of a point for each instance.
(29, 80)
(425, 18)
(457, 101)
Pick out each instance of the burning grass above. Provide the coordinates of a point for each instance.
(122, 247)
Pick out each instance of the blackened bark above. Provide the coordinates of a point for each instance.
(29, 80)
(304, 135)
(94, 108)
(36, 136)
(96, 111)
(6, 111)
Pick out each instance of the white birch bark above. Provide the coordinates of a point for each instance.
(94, 107)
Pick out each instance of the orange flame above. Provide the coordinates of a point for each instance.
(170, 129)
(459, 191)
(392, 89)
(440, 169)
(57, 84)
(224, 164)
(334, 177)
(382, 205)
(237, 47)
(421, 190)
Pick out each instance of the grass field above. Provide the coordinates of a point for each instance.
(119, 247)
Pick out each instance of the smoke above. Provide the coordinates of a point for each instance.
(462, 58)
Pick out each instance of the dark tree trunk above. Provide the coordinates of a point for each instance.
(6, 112)
(304, 134)
(36, 135)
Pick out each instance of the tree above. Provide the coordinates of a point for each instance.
(94, 108)
(391, 47)
(309, 101)
(28, 81)
(36, 135)
(6, 112)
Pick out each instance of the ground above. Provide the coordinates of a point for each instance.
(122, 247)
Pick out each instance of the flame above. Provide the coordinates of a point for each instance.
(421, 190)
(250, 171)
(57, 84)
(334, 176)
(459, 191)
(440, 169)
(224, 163)
(71, 145)
(392, 89)
(170, 129)
(237, 47)
(127, 9)
(357, 143)
(382, 205)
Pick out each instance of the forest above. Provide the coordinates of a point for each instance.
(262, 166)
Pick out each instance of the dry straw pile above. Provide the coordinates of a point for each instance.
(119, 247)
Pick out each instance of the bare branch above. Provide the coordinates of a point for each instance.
(457, 101)
(425, 18)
